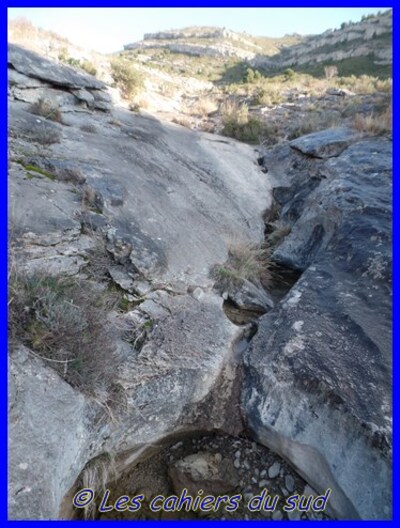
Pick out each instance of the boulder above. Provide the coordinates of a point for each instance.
(325, 144)
(210, 472)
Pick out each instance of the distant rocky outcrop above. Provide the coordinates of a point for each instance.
(370, 37)
(197, 41)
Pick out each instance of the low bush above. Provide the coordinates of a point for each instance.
(268, 95)
(182, 120)
(280, 230)
(239, 125)
(289, 74)
(126, 77)
(88, 67)
(252, 76)
(63, 321)
(250, 132)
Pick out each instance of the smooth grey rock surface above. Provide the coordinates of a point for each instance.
(165, 202)
(47, 428)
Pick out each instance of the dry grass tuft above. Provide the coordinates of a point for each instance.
(95, 476)
(182, 120)
(314, 123)
(44, 135)
(280, 231)
(374, 124)
(246, 261)
(203, 107)
(46, 109)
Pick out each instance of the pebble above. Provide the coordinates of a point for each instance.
(263, 473)
(294, 515)
(289, 482)
(284, 491)
(246, 464)
(274, 470)
(254, 446)
(237, 454)
(254, 480)
(277, 515)
(236, 463)
(308, 490)
(263, 483)
(256, 472)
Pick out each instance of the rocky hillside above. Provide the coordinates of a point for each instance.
(190, 311)
(370, 40)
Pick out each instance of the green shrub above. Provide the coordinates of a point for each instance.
(126, 77)
(239, 125)
(289, 74)
(269, 95)
(73, 62)
(84, 65)
(249, 132)
(251, 76)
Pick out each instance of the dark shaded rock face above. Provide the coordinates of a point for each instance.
(318, 373)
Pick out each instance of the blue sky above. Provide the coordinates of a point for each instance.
(108, 29)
